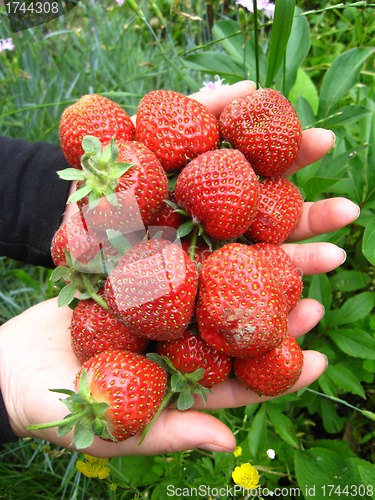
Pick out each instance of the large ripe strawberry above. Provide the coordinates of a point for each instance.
(241, 308)
(287, 273)
(94, 115)
(94, 329)
(153, 289)
(219, 190)
(265, 127)
(175, 127)
(118, 393)
(273, 372)
(190, 352)
(279, 210)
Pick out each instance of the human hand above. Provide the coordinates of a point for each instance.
(35, 352)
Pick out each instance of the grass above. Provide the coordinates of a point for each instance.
(101, 47)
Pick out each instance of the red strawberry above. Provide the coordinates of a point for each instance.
(153, 289)
(265, 127)
(288, 274)
(219, 189)
(190, 352)
(117, 394)
(278, 213)
(121, 187)
(75, 238)
(241, 309)
(175, 127)
(94, 329)
(274, 372)
(93, 115)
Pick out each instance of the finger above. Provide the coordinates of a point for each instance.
(316, 142)
(315, 258)
(217, 99)
(306, 315)
(324, 216)
(232, 393)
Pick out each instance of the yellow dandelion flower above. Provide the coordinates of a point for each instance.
(93, 467)
(237, 452)
(246, 475)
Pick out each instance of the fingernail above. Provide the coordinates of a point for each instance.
(215, 447)
(323, 311)
(327, 362)
(359, 212)
(333, 138)
(344, 257)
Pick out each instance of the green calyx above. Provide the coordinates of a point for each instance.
(100, 171)
(181, 387)
(86, 416)
(86, 279)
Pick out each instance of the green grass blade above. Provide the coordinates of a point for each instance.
(281, 29)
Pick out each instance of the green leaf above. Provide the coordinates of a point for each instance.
(71, 174)
(257, 432)
(91, 144)
(304, 87)
(66, 295)
(340, 78)
(83, 436)
(345, 116)
(185, 399)
(344, 378)
(214, 63)
(350, 281)
(283, 425)
(320, 290)
(354, 342)
(368, 243)
(185, 229)
(281, 30)
(59, 273)
(354, 309)
(296, 52)
(79, 194)
(119, 241)
(323, 473)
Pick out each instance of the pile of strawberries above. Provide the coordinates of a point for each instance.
(175, 252)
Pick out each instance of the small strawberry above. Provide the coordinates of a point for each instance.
(279, 210)
(175, 127)
(94, 329)
(153, 289)
(274, 372)
(190, 352)
(75, 238)
(118, 393)
(265, 127)
(77, 253)
(93, 115)
(241, 309)
(219, 190)
(283, 267)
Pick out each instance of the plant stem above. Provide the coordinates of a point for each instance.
(70, 418)
(92, 292)
(256, 42)
(193, 242)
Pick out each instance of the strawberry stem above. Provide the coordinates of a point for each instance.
(163, 404)
(193, 242)
(67, 420)
(92, 292)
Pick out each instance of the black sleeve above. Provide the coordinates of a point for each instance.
(6, 433)
(32, 199)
